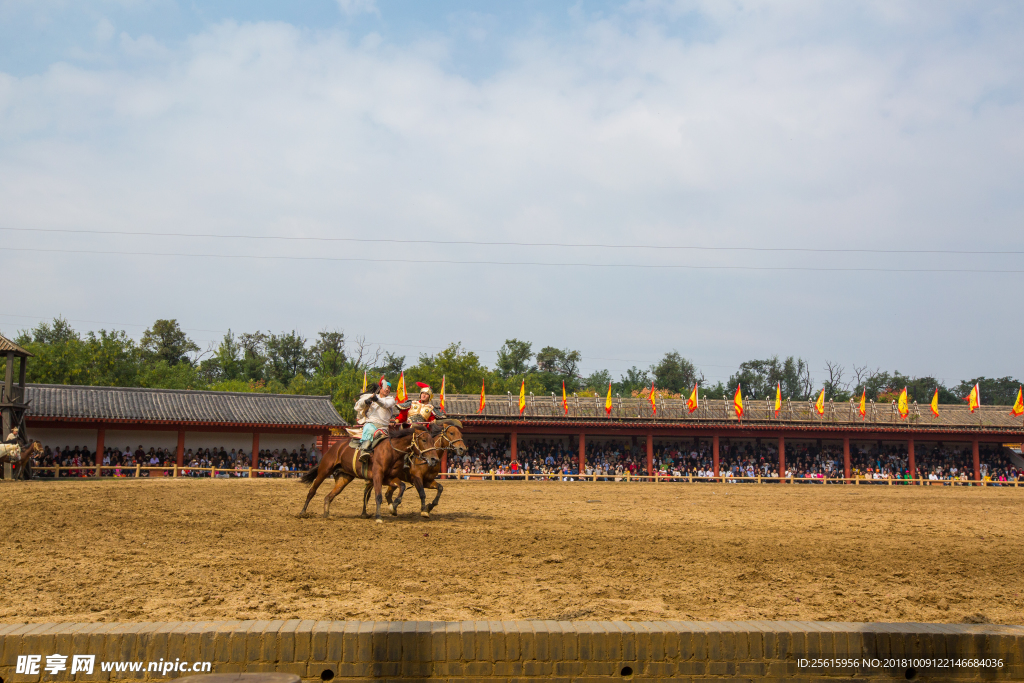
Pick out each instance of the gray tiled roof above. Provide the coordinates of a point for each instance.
(61, 401)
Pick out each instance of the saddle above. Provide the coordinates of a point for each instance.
(378, 436)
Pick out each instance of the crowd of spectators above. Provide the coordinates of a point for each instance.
(609, 460)
(199, 462)
(614, 460)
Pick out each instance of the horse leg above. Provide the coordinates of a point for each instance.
(398, 501)
(435, 485)
(320, 476)
(378, 495)
(366, 498)
(339, 486)
(418, 483)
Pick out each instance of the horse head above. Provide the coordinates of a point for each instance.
(448, 436)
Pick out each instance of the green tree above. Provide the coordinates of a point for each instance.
(555, 366)
(60, 355)
(253, 361)
(1000, 391)
(115, 360)
(287, 356)
(460, 367)
(328, 353)
(514, 358)
(598, 381)
(635, 379)
(675, 373)
(166, 341)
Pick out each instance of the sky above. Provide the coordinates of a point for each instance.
(732, 180)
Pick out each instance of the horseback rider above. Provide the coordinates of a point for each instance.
(375, 409)
(12, 445)
(422, 410)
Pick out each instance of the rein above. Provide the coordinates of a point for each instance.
(448, 443)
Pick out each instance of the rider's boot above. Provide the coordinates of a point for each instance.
(364, 452)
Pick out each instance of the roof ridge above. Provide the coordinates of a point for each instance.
(178, 391)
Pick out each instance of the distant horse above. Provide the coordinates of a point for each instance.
(20, 457)
(425, 465)
(342, 462)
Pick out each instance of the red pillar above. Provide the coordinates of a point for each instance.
(977, 460)
(583, 452)
(514, 440)
(782, 456)
(101, 436)
(181, 448)
(846, 457)
(714, 454)
(650, 454)
(912, 462)
(255, 449)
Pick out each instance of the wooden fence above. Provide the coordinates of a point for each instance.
(137, 471)
(759, 411)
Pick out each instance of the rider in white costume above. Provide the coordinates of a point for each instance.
(375, 411)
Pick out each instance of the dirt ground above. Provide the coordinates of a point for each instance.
(209, 550)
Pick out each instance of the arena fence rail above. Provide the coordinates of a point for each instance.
(173, 471)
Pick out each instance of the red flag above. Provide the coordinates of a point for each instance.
(565, 401)
(654, 405)
(442, 393)
(483, 396)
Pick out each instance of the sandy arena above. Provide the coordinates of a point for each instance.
(208, 550)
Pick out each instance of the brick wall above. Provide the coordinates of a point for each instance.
(504, 650)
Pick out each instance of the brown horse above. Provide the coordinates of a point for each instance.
(425, 465)
(342, 462)
(22, 462)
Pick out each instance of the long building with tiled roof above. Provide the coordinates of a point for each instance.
(61, 415)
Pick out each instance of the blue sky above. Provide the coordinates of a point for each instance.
(828, 126)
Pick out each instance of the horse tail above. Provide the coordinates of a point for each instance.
(310, 476)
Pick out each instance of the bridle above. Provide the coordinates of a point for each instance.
(449, 444)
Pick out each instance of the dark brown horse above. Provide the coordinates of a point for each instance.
(21, 464)
(342, 462)
(424, 466)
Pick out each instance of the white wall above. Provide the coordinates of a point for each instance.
(59, 438)
(119, 438)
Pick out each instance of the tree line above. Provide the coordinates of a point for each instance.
(333, 364)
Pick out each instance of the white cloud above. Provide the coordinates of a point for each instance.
(789, 126)
(355, 7)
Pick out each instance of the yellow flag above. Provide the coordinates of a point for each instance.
(903, 404)
(693, 402)
(1018, 405)
(400, 394)
(737, 403)
(778, 398)
(935, 403)
(608, 401)
(364, 383)
(863, 407)
(974, 398)
(522, 397)
(819, 405)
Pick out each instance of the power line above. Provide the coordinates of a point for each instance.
(568, 245)
(516, 263)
